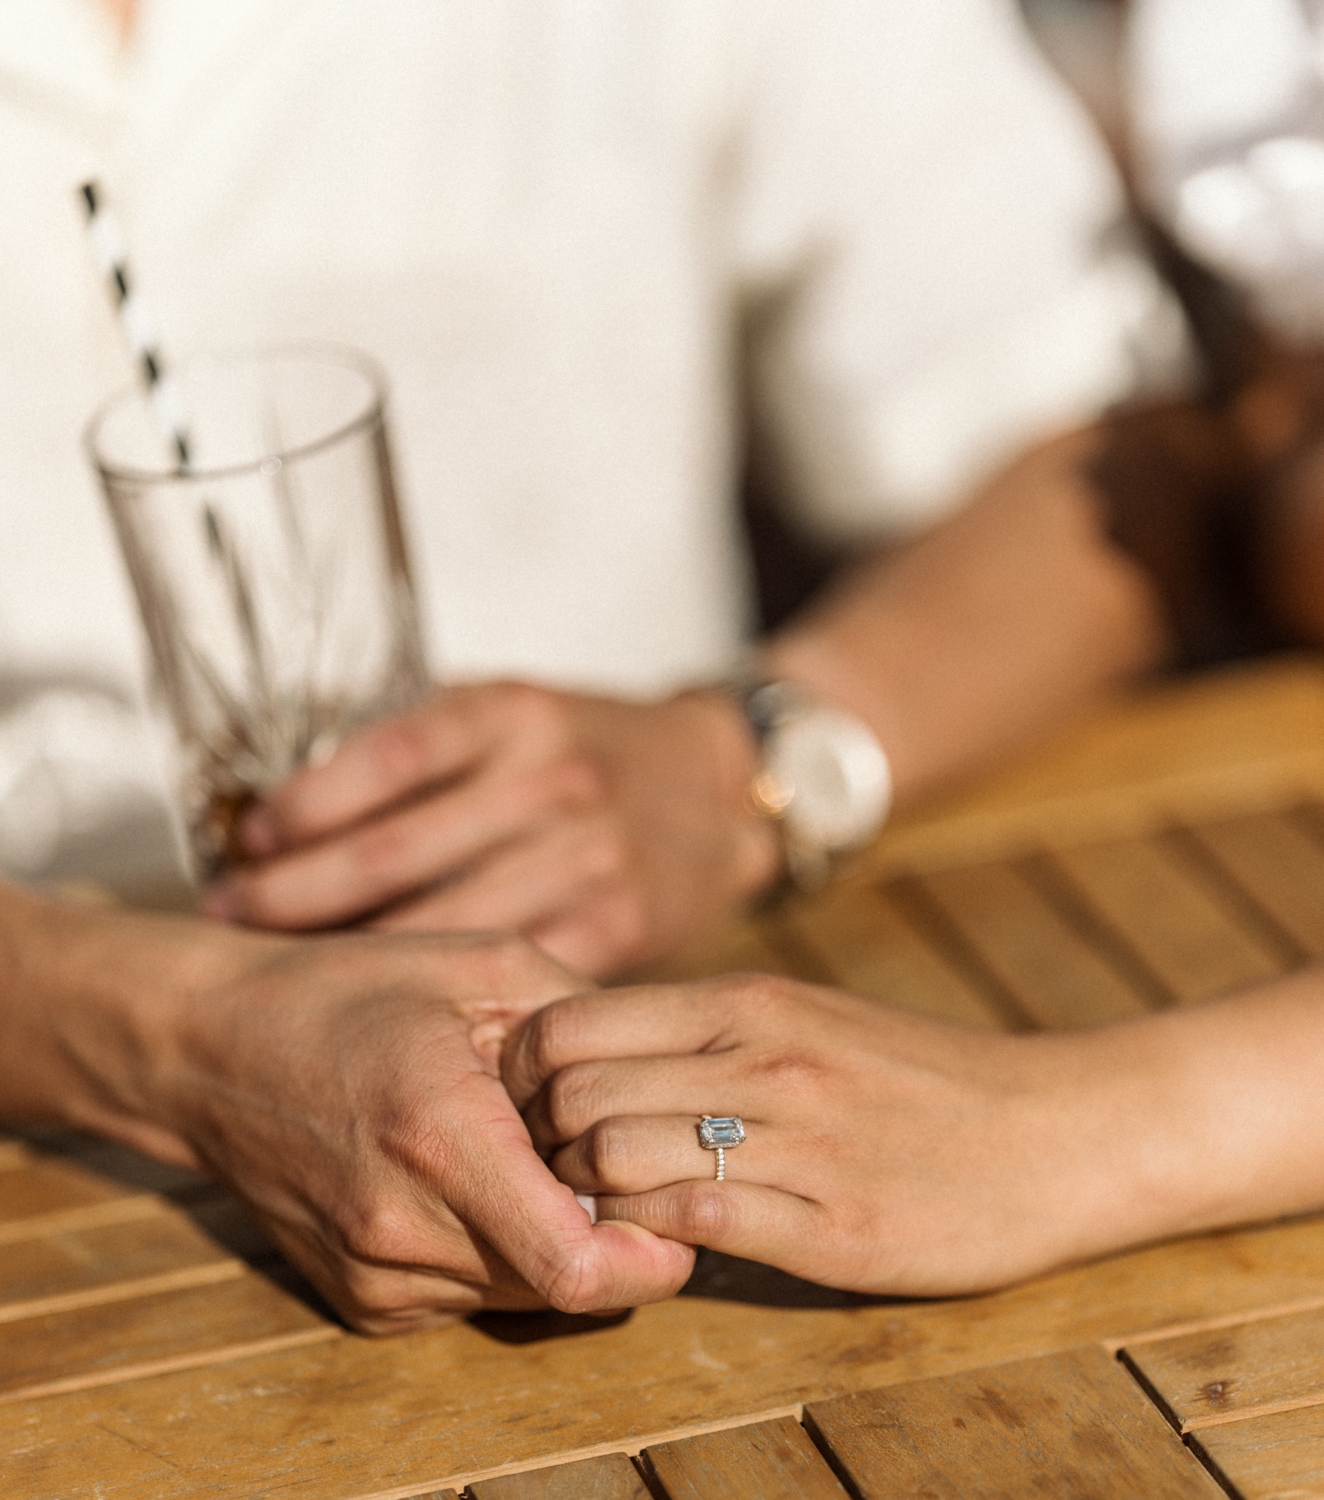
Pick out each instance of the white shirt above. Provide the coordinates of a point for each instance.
(549, 220)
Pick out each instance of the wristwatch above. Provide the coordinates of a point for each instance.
(824, 777)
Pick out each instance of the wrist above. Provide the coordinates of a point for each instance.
(823, 776)
(726, 742)
(98, 1007)
(1116, 1104)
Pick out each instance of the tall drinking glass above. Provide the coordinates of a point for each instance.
(271, 573)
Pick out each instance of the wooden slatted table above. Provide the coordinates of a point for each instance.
(152, 1347)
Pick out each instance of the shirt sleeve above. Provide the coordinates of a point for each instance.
(82, 791)
(928, 240)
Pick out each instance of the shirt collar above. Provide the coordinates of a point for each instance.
(61, 56)
(66, 56)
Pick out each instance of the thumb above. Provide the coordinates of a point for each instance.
(539, 1228)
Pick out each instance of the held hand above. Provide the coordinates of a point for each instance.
(885, 1152)
(346, 1088)
(608, 832)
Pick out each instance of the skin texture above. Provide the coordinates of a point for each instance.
(123, 14)
(889, 1152)
(345, 1087)
(612, 832)
(606, 831)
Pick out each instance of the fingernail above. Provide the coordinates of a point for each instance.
(258, 833)
(589, 1203)
(219, 904)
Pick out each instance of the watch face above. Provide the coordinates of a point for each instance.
(837, 778)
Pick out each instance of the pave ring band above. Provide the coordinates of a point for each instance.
(720, 1133)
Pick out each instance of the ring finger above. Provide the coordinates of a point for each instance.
(636, 1153)
(577, 1096)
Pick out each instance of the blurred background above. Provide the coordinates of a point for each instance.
(1214, 110)
(1214, 113)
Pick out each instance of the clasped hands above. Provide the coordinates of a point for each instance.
(886, 1152)
(412, 1117)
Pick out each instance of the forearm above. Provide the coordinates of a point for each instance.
(1200, 1118)
(1007, 619)
(91, 1006)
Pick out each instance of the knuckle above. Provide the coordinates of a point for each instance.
(579, 781)
(371, 1295)
(764, 997)
(608, 856)
(428, 1152)
(380, 849)
(538, 710)
(789, 1071)
(568, 1101)
(275, 898)
(778, 993)
(561, 782)
(380, 1233)
(599, 784)
(543, 1032)
(576, 1283)
(256, 898)
(704, 1217)
(383, 1303)
(607, 1149)
(401, 749)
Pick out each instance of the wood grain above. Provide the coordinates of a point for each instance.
(1279, 865)
(1277, 1457)
(355, 1417)
(79, 1262)
(115, 1160)
(148, 1334)
(1057, 976)
(45, 1186)
(732, 948)
(1242, 740)
(1193, 943)
(1074, 1426)
(347, 1419)
(12, 1154)
(1224, 1373)
(872, 949)
(611, 1477)
(774, 1460)
(123, 1291)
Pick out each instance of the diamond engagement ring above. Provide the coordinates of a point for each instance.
(716, 1133)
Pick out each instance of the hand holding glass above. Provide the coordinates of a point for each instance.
(271, 572)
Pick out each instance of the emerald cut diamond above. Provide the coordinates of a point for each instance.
(718, 1131)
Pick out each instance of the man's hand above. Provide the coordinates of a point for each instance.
(887, 1152)
(345, 1087)
(608, 832)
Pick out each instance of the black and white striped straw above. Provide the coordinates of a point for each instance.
(139, 332)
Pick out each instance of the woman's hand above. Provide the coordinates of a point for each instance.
(607, 832)
(886, 1152)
